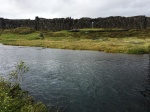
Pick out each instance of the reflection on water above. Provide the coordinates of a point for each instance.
(82, 81)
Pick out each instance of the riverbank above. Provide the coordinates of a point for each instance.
(131, 42)
(13, 98)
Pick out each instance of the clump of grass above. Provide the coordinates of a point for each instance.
(41, 35)
(23, 30)
(6, 31)
(137, 50)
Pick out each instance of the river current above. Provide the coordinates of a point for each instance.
(81, 81)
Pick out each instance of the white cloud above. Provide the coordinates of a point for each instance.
(72, 8)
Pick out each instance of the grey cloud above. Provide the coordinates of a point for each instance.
(73, 8)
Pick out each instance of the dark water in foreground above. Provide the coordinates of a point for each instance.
(82, 81)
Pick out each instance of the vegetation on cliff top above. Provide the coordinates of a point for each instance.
(106, 40)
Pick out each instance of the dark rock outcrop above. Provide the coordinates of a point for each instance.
(56, 24)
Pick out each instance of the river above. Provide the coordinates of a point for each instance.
(81, 81)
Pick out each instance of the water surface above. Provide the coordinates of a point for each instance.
(81, 81)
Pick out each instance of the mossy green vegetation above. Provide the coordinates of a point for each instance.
(106, 40)
(13, 98)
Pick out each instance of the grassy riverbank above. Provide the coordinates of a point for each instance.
(13, 98)
(132, 41)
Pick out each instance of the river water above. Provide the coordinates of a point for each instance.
(81, 81)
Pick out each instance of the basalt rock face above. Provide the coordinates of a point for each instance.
(137, 22)
(56, 24)
(10, 23)
(148, 22)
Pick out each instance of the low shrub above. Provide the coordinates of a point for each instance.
(41, 36)
(137, 50)
(23, 30)
(7, 31)
(13, 98)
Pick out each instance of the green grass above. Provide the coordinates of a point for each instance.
(132, 41)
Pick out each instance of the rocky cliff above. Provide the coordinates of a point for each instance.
(56, 24)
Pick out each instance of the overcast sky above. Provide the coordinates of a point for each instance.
(28, 9)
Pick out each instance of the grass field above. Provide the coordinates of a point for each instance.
(132, 41)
